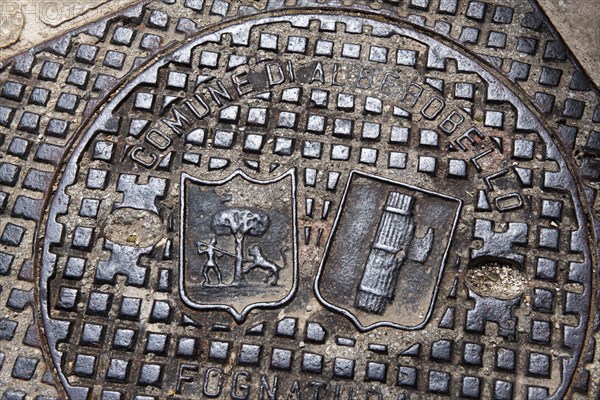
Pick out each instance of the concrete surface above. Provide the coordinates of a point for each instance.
(25, 23)
(578, 23)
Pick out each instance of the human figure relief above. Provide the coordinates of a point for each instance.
(211, 263)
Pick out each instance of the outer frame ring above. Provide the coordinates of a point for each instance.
(69, 168)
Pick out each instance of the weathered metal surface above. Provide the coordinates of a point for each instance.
(301, 202)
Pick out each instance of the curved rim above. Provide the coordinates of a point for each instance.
(171, 54)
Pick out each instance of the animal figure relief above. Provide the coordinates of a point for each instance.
(258, 261)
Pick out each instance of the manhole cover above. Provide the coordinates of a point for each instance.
(312, 203)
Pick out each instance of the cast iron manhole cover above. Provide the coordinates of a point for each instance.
(310, 203)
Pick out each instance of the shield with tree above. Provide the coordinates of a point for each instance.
(240, 222)
(251, 224)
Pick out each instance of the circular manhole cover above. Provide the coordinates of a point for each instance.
(315, 205)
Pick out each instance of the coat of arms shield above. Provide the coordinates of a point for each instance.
(238, 242)
(386, 253)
